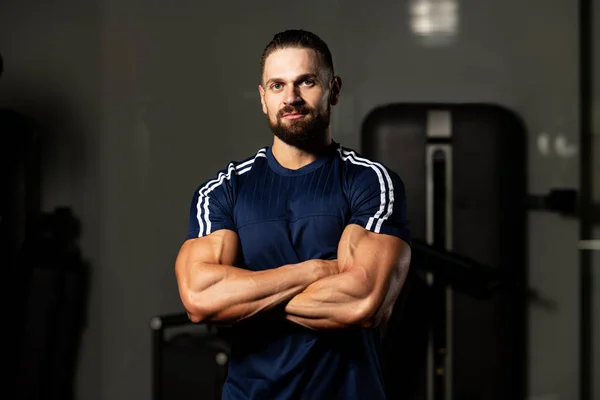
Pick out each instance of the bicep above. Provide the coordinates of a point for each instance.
(220, 247)
(378, 236)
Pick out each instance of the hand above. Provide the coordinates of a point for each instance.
(324, 268)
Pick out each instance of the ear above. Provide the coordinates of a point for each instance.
(261, 91)
(336, 88)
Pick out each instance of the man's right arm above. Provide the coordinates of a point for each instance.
(213, 289)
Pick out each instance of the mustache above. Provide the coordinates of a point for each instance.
(294, 110)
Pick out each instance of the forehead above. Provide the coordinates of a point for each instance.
(291, 62)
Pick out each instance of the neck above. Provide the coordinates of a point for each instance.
(291, 157)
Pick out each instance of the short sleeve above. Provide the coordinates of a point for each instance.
(211, 208)
(378, 202)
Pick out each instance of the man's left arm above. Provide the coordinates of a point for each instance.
(372, 266)
(373, 257)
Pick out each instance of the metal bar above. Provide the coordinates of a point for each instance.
(593, 245)
(430, 276)
(449, 290)
(156, 325)
(439, 125)
(585, 188)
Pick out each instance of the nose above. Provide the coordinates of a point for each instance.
(292, 97)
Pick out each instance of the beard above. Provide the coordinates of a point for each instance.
(307, 133)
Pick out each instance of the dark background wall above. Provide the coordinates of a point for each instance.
(143, 101)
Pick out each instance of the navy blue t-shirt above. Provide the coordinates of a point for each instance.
(285, 216)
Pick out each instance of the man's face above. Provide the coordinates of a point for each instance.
(296, 96)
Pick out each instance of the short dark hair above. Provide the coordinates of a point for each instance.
(300, 39)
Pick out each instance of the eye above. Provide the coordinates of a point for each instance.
(308, 82)
(276, 86)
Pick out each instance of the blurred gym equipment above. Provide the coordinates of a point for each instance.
(46, 281)
(464, 167)
(55, 308)
(19, 210)
(187, 360)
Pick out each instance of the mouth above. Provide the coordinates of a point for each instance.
(293, 115)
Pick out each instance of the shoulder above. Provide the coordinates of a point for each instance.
(226, 180)
(365, 170)
(232, 171)
(240, 167)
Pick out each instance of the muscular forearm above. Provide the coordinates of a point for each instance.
(340, 301)
(346, 301)
(392, 291)
(223, 293)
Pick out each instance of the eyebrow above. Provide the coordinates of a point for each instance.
(299, 78)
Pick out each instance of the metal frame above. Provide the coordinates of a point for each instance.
(586, 200)
(439, 127)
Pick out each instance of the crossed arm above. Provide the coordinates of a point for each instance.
(358, 289)
(372, 270)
